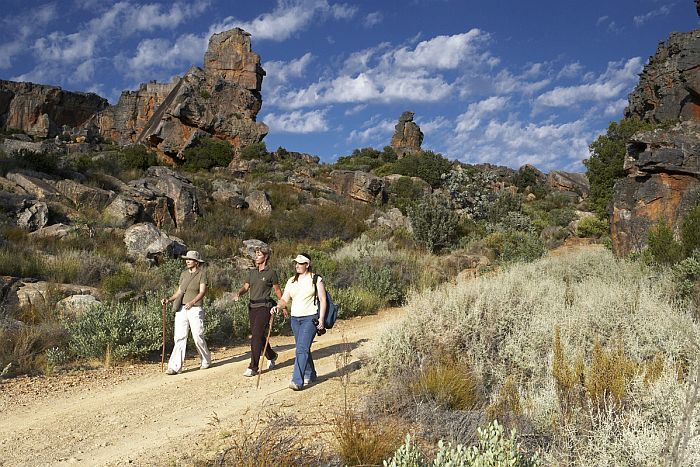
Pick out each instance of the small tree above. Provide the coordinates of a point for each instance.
(434, 224)
(207, 153)
(605, 166)
(664, 249)
(690, 231)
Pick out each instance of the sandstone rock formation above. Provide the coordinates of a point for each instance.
(407, 138)
(669, 86)
(664, 183)
(42, 110)
(663, 166)
(574, 182)
(145, 241)
(358, 185)
(221, 100)
(259, 203)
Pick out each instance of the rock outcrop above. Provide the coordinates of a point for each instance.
(147, 242)
(669, 86)
(663, 183)
(358, 185)
(42, 111)
(407, 138)
(663, 165)
(222, 100)
(573, 182)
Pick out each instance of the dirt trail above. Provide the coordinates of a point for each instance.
(140, 416)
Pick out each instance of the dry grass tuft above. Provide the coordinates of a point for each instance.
(362, 441)
(450, 385)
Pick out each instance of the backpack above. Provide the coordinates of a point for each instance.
(331, 308)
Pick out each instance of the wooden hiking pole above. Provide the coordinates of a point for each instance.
(262, 357)
(162, 354)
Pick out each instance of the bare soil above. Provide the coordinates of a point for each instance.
(136, 415)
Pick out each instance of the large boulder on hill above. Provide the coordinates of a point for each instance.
(146, 241)
(358, 185)
(221, 100)
(574, 182)
(83, 195)
(123, 211)
(392, 219)
(226, 191)
(42, 110)
(38, 293)
(669, 86)
(259, 203)
(176, 188)
(663, 183)
(34, 216)
(407, 138)
(35, 184)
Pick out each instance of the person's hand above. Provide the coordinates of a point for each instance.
(163, 301)
(320, 325)
(274, 310)
(188, 305)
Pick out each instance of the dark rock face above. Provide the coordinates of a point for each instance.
(664, 183)
(358, 185)
(663, 165)
(669, 86)
(407, 138)
(42, 110)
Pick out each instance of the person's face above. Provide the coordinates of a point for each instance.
(260, 257)
(190, 263)
(301, 267)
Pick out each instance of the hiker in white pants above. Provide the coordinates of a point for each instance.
(189, 315)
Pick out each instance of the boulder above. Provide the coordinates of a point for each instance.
(34, 216)
(574, 182)
(392, 219)
(146, 241)
(407, 138)
(82, 195)
(178, 189)
(225, 191)
(358, 185)
(259, 203)
(123, 211)
(31, 183)
(76, 305)
(249, 247)
(58, 231)
(39, 293)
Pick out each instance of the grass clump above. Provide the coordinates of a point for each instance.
(361, 441)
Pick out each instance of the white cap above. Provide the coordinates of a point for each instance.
(301, 259)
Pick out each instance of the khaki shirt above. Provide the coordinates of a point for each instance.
(189, 284)
(260, 283)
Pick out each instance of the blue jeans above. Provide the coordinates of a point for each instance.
(304, 333)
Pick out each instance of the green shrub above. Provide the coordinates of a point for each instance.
(136, 157)
(662, 246)
(366, 159)
(427, 165)
(605, 165)
(686, 274)
(25, 159)
(434, 224)
(407, 455)
(357, 301)
(505, 203)
(515, 246)
(403, 192)
(255, 151)
(207, 153)
(471, 190)
(592, 226)
(562, 217)
(690, 231)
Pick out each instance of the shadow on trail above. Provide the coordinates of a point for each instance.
(335, 349)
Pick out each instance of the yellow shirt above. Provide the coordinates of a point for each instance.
(302, 295)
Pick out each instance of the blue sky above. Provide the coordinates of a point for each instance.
(507, 82)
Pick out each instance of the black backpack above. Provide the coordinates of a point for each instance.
(331, 308)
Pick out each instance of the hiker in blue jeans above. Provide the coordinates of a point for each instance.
(300, 289)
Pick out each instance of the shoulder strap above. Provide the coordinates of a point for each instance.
(314, 279)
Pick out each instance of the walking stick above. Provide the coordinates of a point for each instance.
(162, 354)
(262, 357)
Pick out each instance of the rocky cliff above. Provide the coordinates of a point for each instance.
(407, 138)
(42, 111)
(221, 100)
(663, 165)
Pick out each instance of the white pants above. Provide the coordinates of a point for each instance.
(184, 320)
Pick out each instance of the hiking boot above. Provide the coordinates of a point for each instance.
(171, 372)
(294, 387)
(204, 366)
(249, 372)
(271, 364)
(308, 381)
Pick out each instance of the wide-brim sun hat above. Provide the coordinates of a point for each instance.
(193, 255)
(301, 259)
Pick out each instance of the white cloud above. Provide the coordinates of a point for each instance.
(444, 52)
(373, 19)
(435, 125)
(297, 122)
(355, 109)
(281, 71)
(570, 70)
(615, 109)
(374, 132)
(639, 20)
(150, 16)
(617, 79)
(471, 119)
(286, 19)
(159, 54)
(21, 32)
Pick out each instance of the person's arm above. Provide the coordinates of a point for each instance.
(244, 288)
(198, 297)
(322, 303)
(165, 301)
(282, 304)
(278, 292)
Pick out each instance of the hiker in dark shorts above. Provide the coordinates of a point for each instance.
(260, 282)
